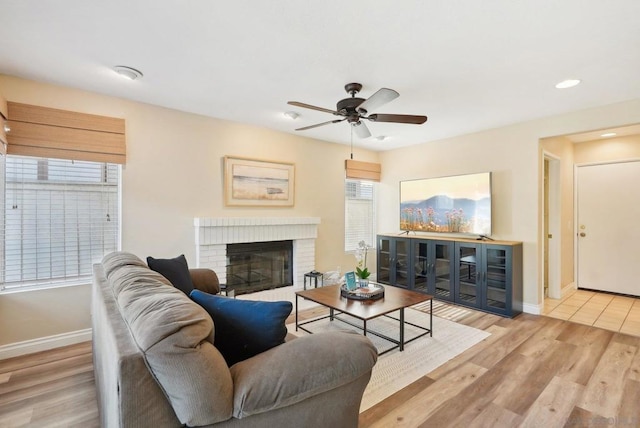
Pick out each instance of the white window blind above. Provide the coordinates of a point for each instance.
(360, 213)
(60, 217)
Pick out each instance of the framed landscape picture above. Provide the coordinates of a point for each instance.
(254, 182)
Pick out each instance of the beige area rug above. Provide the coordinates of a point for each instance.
(394, 370)
(280, 294)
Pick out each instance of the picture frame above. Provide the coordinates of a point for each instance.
(258, 183)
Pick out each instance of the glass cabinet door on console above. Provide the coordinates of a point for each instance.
(468, 263)
(442, 272)
(393, 261)
(497, 278)
(400, 275)
(421, 265)
(384, 260)
(433, 268)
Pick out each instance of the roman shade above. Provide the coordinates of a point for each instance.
(52, 133)
(3, 119)
(362, 170)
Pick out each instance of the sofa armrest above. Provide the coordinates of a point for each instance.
(205, 280)
(300, 369)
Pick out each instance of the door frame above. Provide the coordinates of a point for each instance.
(554, 198)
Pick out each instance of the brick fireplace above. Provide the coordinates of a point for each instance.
(213, 234)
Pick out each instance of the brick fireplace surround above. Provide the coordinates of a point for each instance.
(213, 234)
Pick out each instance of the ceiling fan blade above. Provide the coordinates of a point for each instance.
(361, 129)
(398, 118)
(383, 96)
(320, 124)
(298, 104)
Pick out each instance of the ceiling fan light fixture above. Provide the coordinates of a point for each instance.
(381, 137)
(355, 110)
(568, 83)
(291, 115)
(128, 72)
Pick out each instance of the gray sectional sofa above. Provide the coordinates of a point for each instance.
(155, 364)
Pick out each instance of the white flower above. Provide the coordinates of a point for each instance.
(361, 254)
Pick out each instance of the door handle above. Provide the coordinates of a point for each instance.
(583, 234)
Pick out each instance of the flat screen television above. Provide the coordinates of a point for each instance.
(455, 204)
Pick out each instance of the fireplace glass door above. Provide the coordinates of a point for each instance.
(259, 266)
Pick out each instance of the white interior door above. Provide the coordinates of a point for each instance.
(608, 201)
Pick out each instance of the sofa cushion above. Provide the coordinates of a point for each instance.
(121, 279)
(176, 270)
(244, 328)
(300, 369)
(172, 332)
(118, 259)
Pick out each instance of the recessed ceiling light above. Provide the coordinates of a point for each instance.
(291, 115)
(128, 72)
(569, 83)
(609, 134)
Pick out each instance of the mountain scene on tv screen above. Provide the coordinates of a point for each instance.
(441, 213)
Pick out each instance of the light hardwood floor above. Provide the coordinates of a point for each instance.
(49, 389)
(532, 371)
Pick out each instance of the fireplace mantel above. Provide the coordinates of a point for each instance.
(212, 234)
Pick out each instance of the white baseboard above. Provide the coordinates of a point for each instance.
(44, 343)
(567, 289)
(531, 309)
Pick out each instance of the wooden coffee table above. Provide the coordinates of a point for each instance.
(395, 299)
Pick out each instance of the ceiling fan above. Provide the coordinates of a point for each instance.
(354, 110)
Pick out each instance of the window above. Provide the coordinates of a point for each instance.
(60, 217)
(359, 213)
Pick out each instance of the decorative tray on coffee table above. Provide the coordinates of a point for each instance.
(370, 292)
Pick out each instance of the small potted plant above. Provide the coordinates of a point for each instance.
(362, 272)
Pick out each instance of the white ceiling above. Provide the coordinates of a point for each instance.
(467, 64)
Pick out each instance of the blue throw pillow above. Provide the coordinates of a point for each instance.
(244, 328)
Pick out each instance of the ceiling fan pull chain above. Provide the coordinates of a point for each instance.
(351, 126)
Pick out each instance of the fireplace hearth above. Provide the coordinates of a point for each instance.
(258, 266)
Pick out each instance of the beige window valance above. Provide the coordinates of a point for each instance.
(3, 119)
(362, 170)
(52, 133)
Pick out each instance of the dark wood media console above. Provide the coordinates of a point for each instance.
(485, 275)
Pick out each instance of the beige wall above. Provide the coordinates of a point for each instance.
(609, 150)
(173, 174)
(562, 149)
(513, 154)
